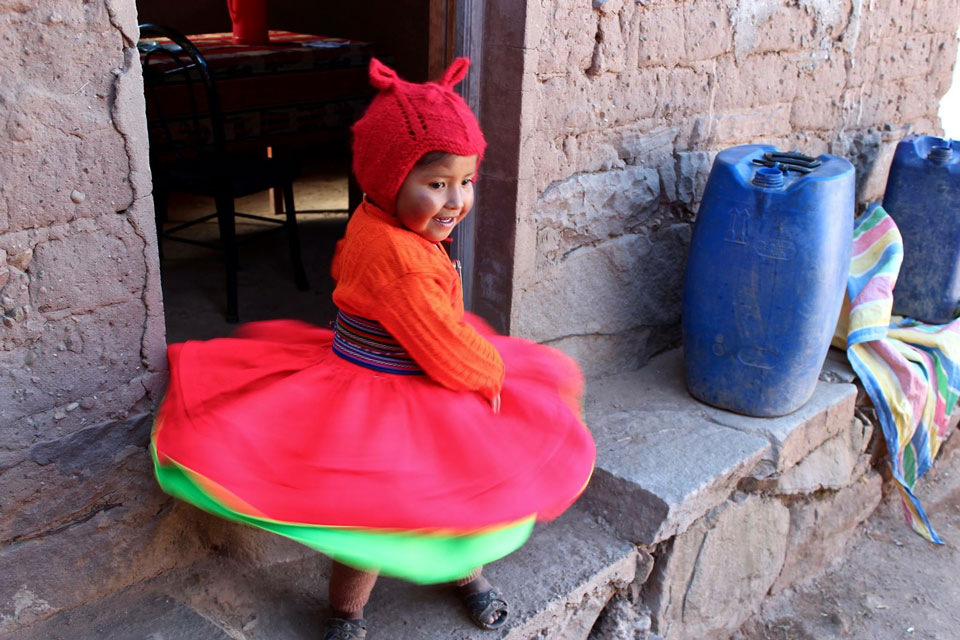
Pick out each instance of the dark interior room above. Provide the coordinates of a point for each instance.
(298, 116)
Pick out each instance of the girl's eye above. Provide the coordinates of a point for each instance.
(467, 181)
(436, 185)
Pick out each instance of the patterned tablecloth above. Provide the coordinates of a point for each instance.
(294, 91)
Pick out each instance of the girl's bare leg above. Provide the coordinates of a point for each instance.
(473, 583)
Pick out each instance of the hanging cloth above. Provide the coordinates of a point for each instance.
(909, 369)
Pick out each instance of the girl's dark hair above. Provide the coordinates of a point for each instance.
(431, 157)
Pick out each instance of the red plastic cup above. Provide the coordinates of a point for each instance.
(249, 18)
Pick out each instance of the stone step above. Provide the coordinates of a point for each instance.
(665, 459)
(557, 585)
(138, 613)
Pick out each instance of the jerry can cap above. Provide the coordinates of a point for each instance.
(768, 177)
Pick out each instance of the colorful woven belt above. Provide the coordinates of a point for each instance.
(366, 343)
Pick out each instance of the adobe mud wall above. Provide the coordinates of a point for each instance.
(625, 103)
(81, 326)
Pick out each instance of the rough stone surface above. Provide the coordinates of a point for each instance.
(92, 450)
(592, 207)
(615, 275)
(821, 525)
(126, 616)
(622, 620)
(564, 577)
(75, 539)
(600, 354)
(827, 412)
(647, 501)
(83, 516)
(833, 465)
(253, 547)
(719, 570)
(836, 368)
(641, 419)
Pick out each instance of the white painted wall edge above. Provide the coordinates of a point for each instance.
(950, 104)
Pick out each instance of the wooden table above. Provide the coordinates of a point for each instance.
(295, 94)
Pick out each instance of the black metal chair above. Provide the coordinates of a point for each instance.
(189, 155)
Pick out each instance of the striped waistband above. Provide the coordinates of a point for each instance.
(366, 343)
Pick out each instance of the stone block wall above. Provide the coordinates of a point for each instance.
(81, 326)
(718, 534)
(710, 578)
(625, 103)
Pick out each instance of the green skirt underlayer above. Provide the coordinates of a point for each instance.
(423, 557)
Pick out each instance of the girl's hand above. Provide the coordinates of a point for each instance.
(495, 403)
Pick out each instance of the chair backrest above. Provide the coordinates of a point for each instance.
(183, 101)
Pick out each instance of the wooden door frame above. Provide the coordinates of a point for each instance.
(441, 39)
(456, 29)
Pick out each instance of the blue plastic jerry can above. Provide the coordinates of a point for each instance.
(923, 198)
(765, 277)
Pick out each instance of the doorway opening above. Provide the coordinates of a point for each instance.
(193, 277)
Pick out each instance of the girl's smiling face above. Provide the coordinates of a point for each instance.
(437, 195)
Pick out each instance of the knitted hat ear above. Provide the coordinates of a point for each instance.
(381, 76)
(456, 72)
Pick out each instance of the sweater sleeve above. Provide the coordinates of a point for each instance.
(416, 310)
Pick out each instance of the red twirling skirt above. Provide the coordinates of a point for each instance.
(392, 472)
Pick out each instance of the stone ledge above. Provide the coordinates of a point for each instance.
(665, 459)
(128, 614)
(557, 585)
(820, 529)
(706, 580)
(795, 435)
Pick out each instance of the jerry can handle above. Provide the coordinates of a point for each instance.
(788, 161)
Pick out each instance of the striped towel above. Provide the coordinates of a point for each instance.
(909, 370)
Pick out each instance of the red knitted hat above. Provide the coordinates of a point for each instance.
(405, 121)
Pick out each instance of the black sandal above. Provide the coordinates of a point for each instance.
(340, 629)
(480, 607)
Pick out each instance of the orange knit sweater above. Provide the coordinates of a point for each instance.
(387, 273)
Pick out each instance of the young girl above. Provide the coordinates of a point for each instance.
(411, 440)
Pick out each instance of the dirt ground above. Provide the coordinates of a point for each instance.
(891, 584)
